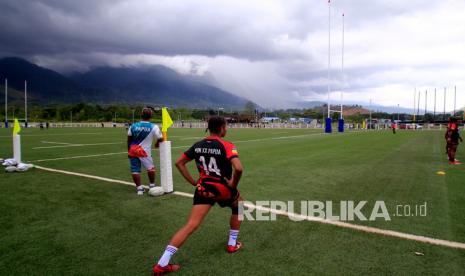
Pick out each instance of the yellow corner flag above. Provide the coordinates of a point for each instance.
(16, 128)
(166, 122)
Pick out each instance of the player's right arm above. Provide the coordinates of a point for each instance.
(238, 169)
(233, 157)
(181, 165)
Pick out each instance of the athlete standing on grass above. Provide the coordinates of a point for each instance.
(452, 140)
(140, 140)
(215, 160)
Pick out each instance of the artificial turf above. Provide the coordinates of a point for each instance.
(54, 224)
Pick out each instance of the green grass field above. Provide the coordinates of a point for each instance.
(56, 224)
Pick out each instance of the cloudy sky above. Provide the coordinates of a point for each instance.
(272, 52)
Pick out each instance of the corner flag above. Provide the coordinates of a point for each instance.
(166, 122)
(16, 128)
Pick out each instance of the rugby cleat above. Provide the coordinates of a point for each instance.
(140, 190)
(455, 162)
(234, 248)
(160, 270)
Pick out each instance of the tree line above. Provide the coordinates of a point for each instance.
(88, 112)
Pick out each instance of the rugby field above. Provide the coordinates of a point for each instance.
(54, 224)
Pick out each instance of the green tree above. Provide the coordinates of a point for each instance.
(249, 108)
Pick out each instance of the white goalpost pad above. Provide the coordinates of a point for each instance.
(17, 148)
(166, 170)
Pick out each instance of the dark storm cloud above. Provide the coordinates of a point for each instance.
(254, 48)
(54, 27)
(210, 28)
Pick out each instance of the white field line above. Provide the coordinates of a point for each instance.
(191, 138)
(77, 145)
(58, 143)
(56, 134)
(78, 157)
(278, 138)
(176, 147)
(366, 229)
(88, 156)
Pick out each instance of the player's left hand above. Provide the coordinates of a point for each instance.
(230, 182)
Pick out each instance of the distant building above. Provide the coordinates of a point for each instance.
(270, 120)
(300, 120)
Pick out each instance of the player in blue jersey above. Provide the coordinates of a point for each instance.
(140, 140)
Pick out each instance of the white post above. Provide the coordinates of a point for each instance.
(426, 102)
(25, 102)
(342, 88)
(17, 148)
(166, 171)
(6, 102)
(329, 54)
(414, 103)
(369, 127)
(418, 105)
(434, 112)
(445, 97)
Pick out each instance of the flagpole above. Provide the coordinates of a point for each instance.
(444, 110)
(414, 103)
(25, 103)
(434, 112)
(455, 99)
(6, 103)
(418, 105)
(426, 102)
(370, 117)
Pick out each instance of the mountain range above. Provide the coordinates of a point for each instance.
(154, 85)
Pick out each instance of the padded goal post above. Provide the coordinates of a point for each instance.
(329, 121)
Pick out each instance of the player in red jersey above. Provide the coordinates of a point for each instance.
(453, 139)
(394, 127)
(220, 171)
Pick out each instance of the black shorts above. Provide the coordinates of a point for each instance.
(214, 191)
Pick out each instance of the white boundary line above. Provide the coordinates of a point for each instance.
(191, 138)
(90, 155)
(54, 134)
(78, 157)
(58, 143)
(176, 147)
(77, 145)
(366, 229)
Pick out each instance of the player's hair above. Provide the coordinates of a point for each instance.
(146, 113)
(215, 123)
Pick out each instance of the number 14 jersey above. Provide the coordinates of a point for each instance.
(213, 157)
